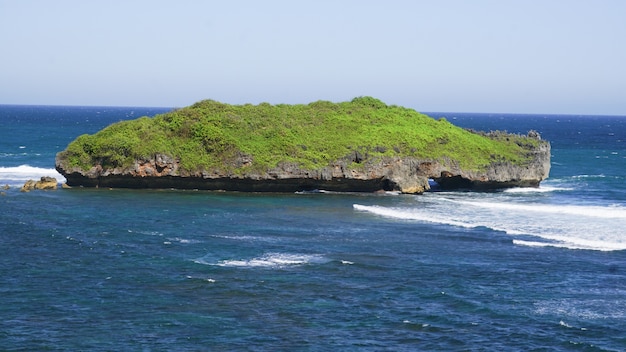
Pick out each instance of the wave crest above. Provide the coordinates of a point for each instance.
(566, 226)
(269, 260)
(17, 175)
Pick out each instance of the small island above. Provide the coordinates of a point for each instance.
(363, 145)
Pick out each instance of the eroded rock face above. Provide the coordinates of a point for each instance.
(499, 174)
(45, 183)
(403, 174)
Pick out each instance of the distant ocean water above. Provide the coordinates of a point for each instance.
(153, 270)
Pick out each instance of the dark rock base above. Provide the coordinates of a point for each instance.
(229, 184)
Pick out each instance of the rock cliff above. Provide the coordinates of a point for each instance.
(403, 174)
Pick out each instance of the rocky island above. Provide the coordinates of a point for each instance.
(363, 145)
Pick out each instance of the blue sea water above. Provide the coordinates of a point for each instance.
(164, 270)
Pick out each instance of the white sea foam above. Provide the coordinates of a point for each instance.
(393, 193)
(409, 214)
(541, 189)
(562, 323)
(589, 309)
(575, 244)
(269, 260)
(588, 176)
(149, 233)
(591, 227)
(199, 278)
(534, 243)
(183, 240)
(247, 238)
(605, 212)
(19, 174)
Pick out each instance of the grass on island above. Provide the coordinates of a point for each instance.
(209, 135)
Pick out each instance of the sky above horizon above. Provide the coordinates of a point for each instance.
(517, 56)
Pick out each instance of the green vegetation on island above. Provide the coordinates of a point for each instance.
(210, 135)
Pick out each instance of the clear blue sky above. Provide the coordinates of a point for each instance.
(518, 56)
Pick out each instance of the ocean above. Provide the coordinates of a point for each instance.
(526, 269)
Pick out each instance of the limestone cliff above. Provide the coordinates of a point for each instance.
(406, 175)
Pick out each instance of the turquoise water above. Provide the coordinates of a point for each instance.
(525, 269)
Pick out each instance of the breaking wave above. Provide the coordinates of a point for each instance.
(269, 260)
(17, 175)
(591, 227)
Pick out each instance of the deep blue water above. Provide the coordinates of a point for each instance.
(113, 270)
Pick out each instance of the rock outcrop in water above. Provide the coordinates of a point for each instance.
(396, 166)
(45, 183)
